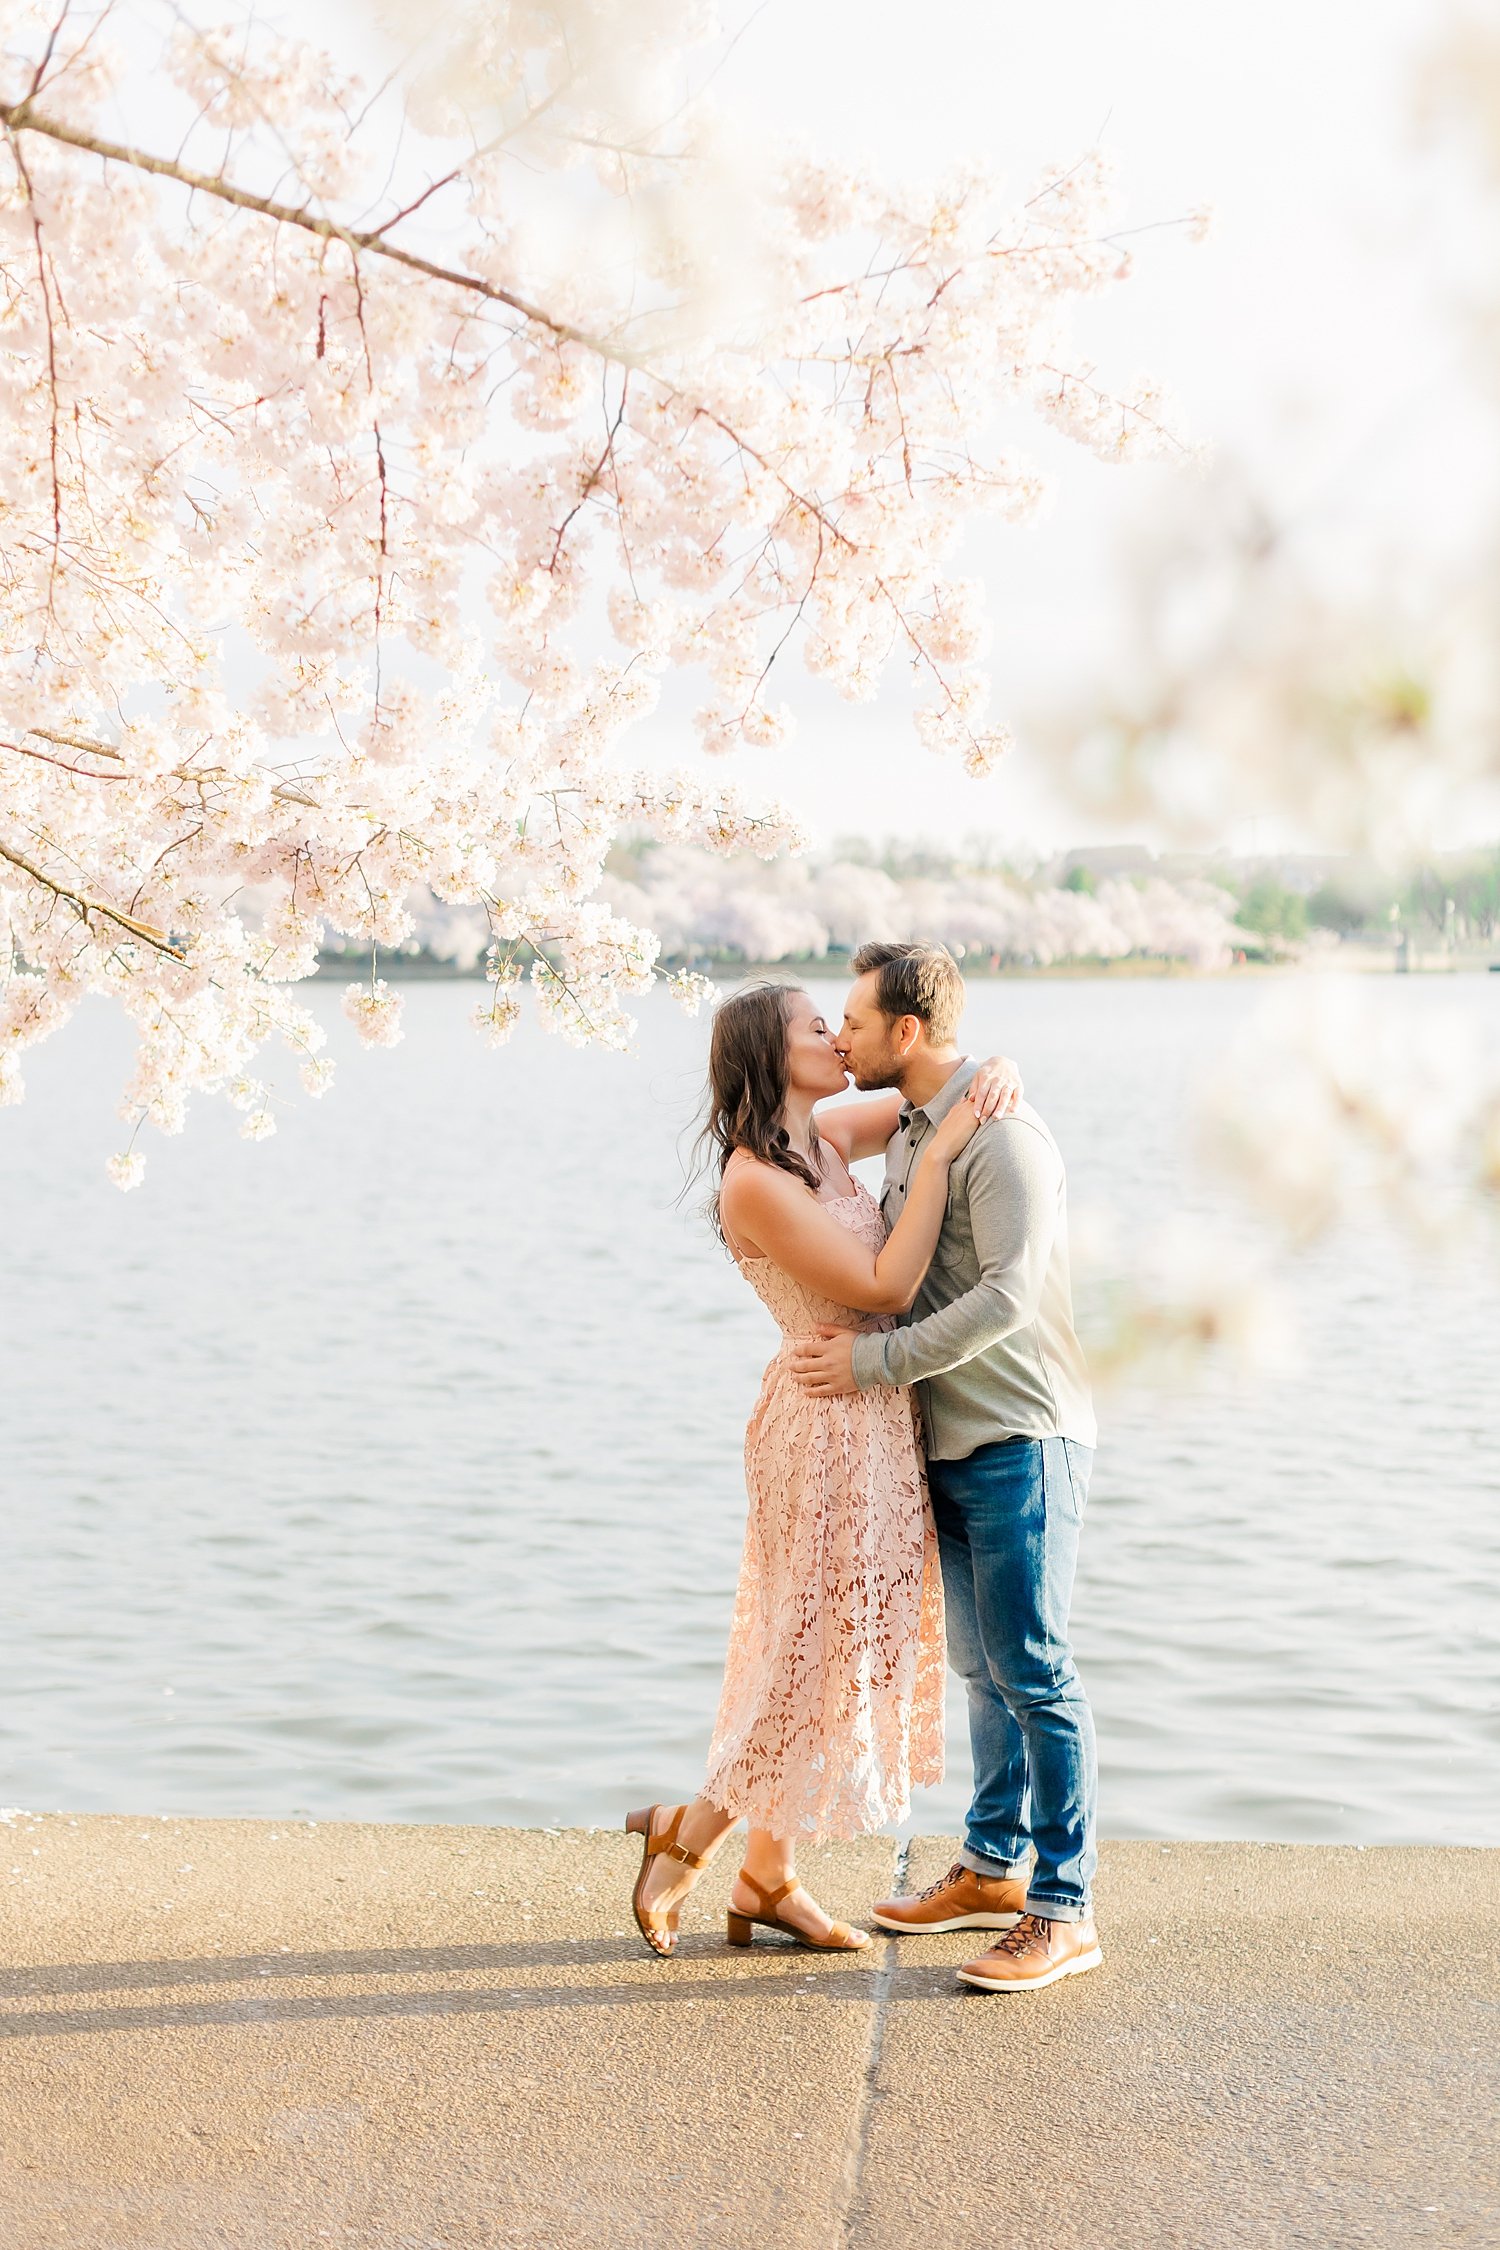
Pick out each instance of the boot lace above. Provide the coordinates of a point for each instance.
(1030, 1935)
(944, 1881)
(956, 1874)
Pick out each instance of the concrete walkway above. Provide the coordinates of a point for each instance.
(217, 2034)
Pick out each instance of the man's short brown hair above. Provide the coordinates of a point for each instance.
(915, 980)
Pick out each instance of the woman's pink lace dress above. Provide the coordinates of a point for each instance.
(833, 1691)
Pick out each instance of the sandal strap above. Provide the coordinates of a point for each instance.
(667, 1842)
(769, 1898)
(675, 1851)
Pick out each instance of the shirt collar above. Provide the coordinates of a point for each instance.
(936, 1109)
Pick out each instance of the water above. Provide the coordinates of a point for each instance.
(391, 1468)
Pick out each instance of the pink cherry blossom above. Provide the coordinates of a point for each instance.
(340, 422)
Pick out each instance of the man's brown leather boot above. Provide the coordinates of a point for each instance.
(1035, 1953)
(959, 1900)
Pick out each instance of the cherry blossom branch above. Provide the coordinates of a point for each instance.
(20, 117)
(88, 772)
(45, 58)
(54, 414)
(592, 479)
(282, 791)
(90, 906)
(1121, 406)
(380, 470)
(72, 742)
(541, 959)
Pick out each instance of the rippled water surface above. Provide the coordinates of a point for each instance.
(391, 1468)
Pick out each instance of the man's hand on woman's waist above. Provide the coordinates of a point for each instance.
(823, 1363)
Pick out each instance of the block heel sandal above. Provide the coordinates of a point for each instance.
(658, 1930)
(840, 1939)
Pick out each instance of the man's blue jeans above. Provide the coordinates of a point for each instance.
(1008, 1520)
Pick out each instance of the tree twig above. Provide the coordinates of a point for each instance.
(88, 906)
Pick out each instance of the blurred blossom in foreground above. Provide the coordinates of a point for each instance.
(1326, 1108)
(1244, 689)
(1158, 1314)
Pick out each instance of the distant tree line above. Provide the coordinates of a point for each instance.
(1457, 895)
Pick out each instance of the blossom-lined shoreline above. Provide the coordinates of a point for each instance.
(1117, 912)
(1354, 957)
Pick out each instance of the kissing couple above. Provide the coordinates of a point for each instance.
(929, 1402)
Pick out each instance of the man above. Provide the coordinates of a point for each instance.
(1010, 1428)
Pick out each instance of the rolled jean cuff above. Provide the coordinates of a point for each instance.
(1057, 1909)
(1011, 1870)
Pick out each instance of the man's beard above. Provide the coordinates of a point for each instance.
(876, 1078)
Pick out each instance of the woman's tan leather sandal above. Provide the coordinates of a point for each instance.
(658, 1930)
(840, 1939)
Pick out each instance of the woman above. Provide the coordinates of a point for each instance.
(833, 1691)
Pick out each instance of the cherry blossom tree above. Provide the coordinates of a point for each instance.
(375, 451)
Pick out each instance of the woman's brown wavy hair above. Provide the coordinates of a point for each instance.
(747, 1086)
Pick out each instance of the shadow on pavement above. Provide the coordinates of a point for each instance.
(783, 1967)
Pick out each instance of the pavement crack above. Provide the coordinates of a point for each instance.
(860, 2129)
